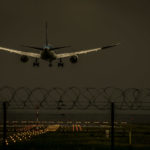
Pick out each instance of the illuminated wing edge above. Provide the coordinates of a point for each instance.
(77, 53)
(85, 51)
(30, 54)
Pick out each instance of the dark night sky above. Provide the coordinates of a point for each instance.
(83, 24)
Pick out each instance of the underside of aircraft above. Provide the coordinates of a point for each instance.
(48, 53)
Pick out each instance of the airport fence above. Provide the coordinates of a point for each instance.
(73, 98)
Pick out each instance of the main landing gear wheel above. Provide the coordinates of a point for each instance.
(50, 65)
(36, 63)
(60, 63)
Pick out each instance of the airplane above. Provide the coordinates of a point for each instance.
(48, 53)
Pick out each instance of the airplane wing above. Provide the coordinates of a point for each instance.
(35, 55)
(84, 51)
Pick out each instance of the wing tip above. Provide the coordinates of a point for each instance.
(117, 44)
(109, 46)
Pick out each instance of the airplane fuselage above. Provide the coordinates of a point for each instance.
(49, 55)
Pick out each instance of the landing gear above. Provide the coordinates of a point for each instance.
(36, 63)
(50, 64)
(60, 63)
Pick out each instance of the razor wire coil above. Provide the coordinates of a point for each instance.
(75, 98)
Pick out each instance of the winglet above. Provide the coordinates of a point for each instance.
(109, 46)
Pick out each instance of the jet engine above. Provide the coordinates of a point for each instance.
(24, 58)
(74, 59)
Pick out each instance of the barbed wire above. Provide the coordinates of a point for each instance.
(75, 98)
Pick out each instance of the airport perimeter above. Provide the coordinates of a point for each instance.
(68, 124)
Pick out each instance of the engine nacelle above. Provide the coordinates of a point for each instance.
(24, 58)
(74, 59)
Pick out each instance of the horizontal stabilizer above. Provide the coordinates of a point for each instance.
(34, 47)
(54, 48)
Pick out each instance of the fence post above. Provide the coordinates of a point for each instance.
(4, 124)
(130, 137)
(112, 125)
(37, 117)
